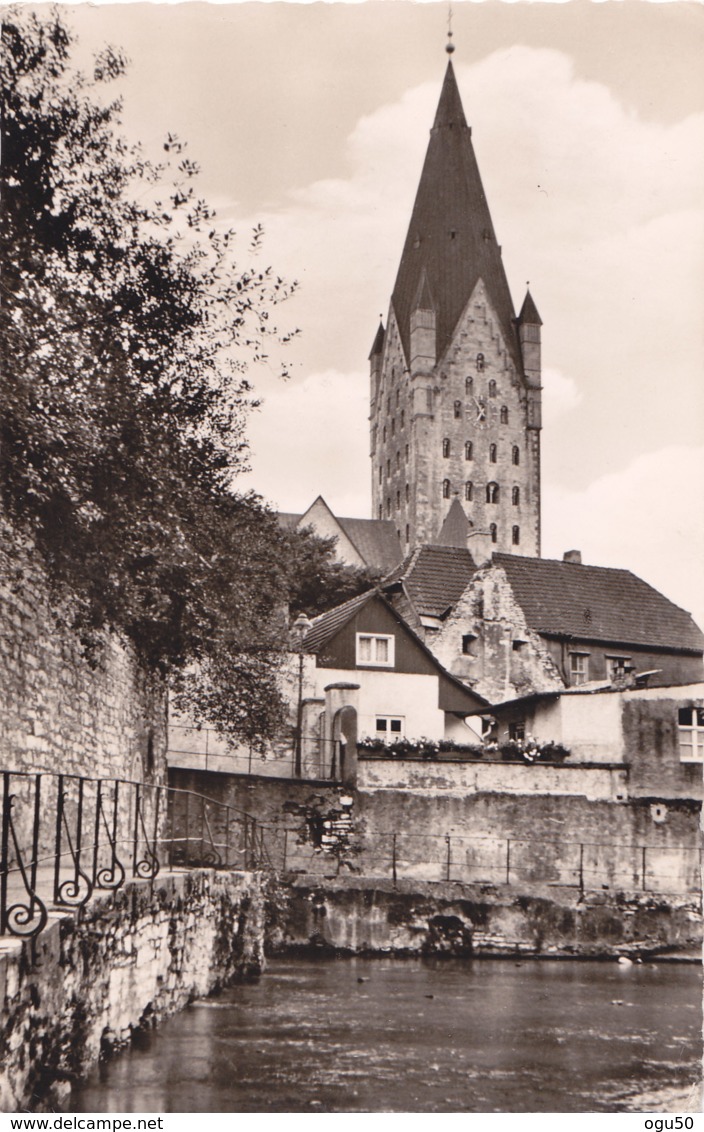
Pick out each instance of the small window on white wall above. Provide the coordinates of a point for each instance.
(389, 727)
(690, 725)
(375, 650)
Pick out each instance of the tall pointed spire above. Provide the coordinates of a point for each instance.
(451, 237)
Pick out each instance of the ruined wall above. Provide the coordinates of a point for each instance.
(106, 718)
(89, 984)
(348, 915)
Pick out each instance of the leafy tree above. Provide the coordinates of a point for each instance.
(317, 582)
(127, 326)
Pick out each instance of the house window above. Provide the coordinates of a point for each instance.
(516, 496)
(446, 489)
(458, 410)
(504, 414)
(389, 727)
(690, 726)
(517, 730)
(618, 666)
(579, 667)
(467, 641)
(375, 651)
(492, 493)
(493, 531)
(468, 450)
(516, 455)
(515, 536)
(480, 363)
(446, 448)
(492, 388)
(468, 490)
(492, 453)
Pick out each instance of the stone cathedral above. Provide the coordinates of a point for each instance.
(455, 376)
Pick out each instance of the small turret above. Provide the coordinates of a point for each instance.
(375, 358)
(528, 324)
(423, 326)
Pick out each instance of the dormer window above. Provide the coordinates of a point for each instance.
(375, 650)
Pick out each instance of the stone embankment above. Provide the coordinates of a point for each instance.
(349, 914)
(91, 981)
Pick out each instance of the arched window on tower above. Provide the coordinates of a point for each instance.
(480, 363)
(516, 496)
(408, 492)
(504, 414)
(446, 489)
(381, 473)
(468, 450)
(492, 453)
(493, 532)
(393, 426)
(388, 468)
(381, 511)
(468, 491)
(492, 493)
(515, 535)
(408, 532)
(398, 500)
(492, 388)
(515, 455)
(384, 434)
(403, 418)
(468, 384)
(458, 410)
(446, 447)
(388, 507)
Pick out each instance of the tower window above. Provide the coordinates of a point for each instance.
(468, 490)
(388, 467)
(515, 455)
(388, 507)
(446, 448)
(388, 404)
(403, 418)
(406, 452)
(384, 434)
(398, 504)
(493, 532)
(492, 388)
(468, 450)
(468, 384)
(492, 453)
(408, 532)
(492, 493)
(393, 426)
(515, 535)
(398, 394)
(516, 496)
(408, 492)
(446, 489)
(381, 511)
(398, 460)
(458, 410)
(381, 472)
(480, 363)
(504, 414)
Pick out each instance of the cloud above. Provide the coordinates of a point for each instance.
(560, 396)
(645, 518)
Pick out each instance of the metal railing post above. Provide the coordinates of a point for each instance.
(508, 860)
(643, 867)
(581, 867)
(393, 859)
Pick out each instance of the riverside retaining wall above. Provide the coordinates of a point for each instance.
(90, 982)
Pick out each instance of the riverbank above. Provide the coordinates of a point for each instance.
(354, 915)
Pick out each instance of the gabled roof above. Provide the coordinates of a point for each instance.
(433, 577)
(598, 603)
(327, 625)
(451, 237)
(375, 540)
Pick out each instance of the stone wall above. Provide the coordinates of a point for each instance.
(103, 718)
(349, 915)
(88, 985)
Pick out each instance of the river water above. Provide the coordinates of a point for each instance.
(406, 1035)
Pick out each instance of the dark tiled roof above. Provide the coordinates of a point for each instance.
(378, 343)
(597, 603)
(376, 540)
(529, 312)
(451, 237)
(287, 520)
(328, 624)
(434, 578)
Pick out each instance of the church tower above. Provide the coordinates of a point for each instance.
(455, 376)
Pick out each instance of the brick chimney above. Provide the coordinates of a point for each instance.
(573, 556)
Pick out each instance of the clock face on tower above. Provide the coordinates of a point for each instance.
(480, 406)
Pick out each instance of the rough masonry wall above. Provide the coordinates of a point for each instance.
(92, 983)
(58, 711)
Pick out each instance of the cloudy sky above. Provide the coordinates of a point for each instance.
(588, 123)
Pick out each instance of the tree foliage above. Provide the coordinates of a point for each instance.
(128, 322)
(317, 581)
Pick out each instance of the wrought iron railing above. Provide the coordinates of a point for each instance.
(67, 836)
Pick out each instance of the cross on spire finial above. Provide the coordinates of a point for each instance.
(449, 46)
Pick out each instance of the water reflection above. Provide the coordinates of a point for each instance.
(389, 1035)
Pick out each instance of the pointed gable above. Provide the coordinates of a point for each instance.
(529, 312)
(451, 237)
(456, 527)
